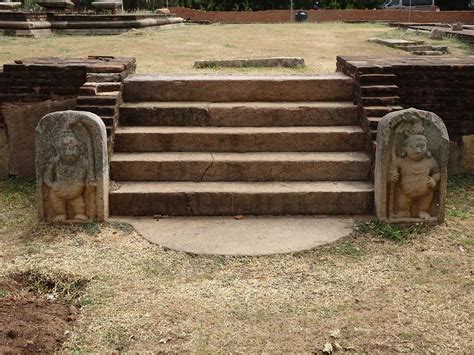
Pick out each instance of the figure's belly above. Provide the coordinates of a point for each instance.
(70, 191)
(415, 187)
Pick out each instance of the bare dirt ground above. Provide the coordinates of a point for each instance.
(383, 290)
(175, 50)
(30, 322)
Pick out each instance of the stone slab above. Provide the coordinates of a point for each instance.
(199, 166)
(249, 236)
(467, 159)
(4, 153)
(233, 88)
(239, 139)
(248, 198)
(239, 114)
(21, 121)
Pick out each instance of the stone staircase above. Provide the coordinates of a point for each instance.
(231, 145)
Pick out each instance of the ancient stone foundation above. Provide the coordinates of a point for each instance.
(32, 88)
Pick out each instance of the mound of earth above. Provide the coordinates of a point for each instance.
(29, 322)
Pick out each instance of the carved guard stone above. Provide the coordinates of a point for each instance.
(401, 181)
(72, 172)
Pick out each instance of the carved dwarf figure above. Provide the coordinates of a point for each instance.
(72, 171)
(68, 174)
(417, 175)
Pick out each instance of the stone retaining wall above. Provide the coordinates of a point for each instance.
(278, 16)
(443, 85)
(31, 88)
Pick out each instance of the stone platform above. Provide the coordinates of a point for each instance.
(38, 24)
(242, 236)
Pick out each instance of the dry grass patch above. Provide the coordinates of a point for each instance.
(174, 51)
(410, 295)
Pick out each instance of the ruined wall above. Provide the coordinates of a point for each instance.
(31, 88)
(278, 16)
(443, 85)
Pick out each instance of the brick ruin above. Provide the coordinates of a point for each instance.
(36, 86)
(444, 86)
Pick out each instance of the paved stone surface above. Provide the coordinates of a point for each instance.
(249, 236)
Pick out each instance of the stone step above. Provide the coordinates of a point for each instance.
(98, 110)
(374, 111)
(417, 48)
(100, 99)
(379, 90)
(239, 139)
(380, 101)
(238, 114)
(377, 79)
(229, 88)
(249, 198)
(373, 122)
(428, 53)
(240, 166)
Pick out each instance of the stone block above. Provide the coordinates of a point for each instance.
(411, 167)
(458, 26)
(21, 121)
(467, 158)
(72, 173)
(454, 158)
(4, 153)
(436, 34)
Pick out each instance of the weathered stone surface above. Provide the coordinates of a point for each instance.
(436, 34)
(458, 26)
(239, 114)
(107, 4)
(232, 88)
(454, 158)
(247, 198)
(9, 5)
(467, 159)
(21, 121)
(71, 167)
(199, 166)
(247, 236)
(55, 4)
(4, 153)
(411, 167)
(163, 11)
(285, 62)
(239, 139)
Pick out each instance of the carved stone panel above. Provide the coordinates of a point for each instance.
(411, 167)
(72, 172)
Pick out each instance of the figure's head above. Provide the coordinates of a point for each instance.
(417, 147)
(71, 149)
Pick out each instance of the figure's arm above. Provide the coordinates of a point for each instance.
(49, 175)
(435, 171)
(395, 170)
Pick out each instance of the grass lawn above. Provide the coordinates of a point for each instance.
(175, 50)
(382, 290)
